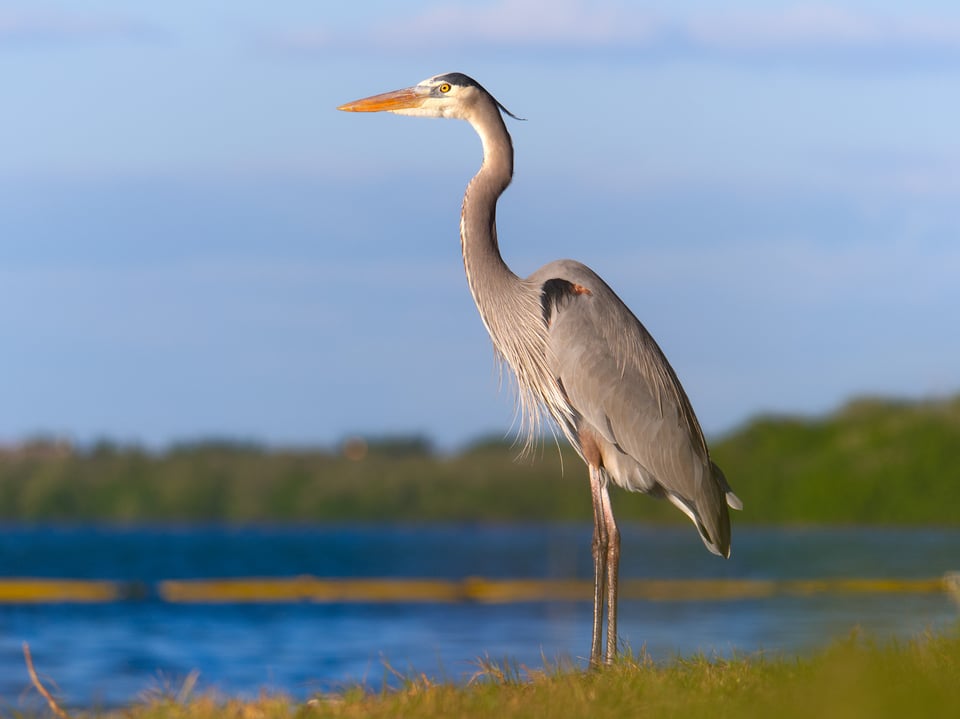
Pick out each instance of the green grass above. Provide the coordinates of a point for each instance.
(852, 678)
(873, 461)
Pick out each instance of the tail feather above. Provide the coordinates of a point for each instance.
(709, 512)
(733, 501)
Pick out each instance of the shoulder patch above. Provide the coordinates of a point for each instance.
(555, 293)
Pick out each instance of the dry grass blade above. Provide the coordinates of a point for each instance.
(188, 686)
(54, 707)
(412, 683)
(505, 673)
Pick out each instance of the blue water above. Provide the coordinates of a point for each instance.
(109, 654)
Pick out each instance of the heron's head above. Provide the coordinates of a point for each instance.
(452, 94)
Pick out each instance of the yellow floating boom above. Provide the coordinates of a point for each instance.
(39, 591)
(471, 589)
(476, 589)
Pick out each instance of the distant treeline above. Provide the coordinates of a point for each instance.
(874, 461)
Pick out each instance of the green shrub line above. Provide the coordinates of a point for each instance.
(876, 461)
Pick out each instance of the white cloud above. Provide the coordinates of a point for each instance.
(815, 26)
(795, 26)
(536, 22)
(581, 25)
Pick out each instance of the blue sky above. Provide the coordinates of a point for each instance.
(194, 243)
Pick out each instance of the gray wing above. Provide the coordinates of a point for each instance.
(625, 393)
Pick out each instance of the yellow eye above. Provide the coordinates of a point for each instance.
(445, 87)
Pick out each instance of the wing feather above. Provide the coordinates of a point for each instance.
(622, 388)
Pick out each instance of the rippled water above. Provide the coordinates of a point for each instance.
(108, 654)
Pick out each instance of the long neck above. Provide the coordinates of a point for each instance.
(487, 273)
(510, 307)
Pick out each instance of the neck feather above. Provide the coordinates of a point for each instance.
(478, 220)
(509, 306)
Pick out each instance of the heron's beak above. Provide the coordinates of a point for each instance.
(396, 100)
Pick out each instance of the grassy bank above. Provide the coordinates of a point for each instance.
(853, 678)
(872, 461)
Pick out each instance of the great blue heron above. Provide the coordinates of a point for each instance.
(579, 355)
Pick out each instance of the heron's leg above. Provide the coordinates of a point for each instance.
(598, 491)
(613, 574)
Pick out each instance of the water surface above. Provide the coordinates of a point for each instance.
(109, 654)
